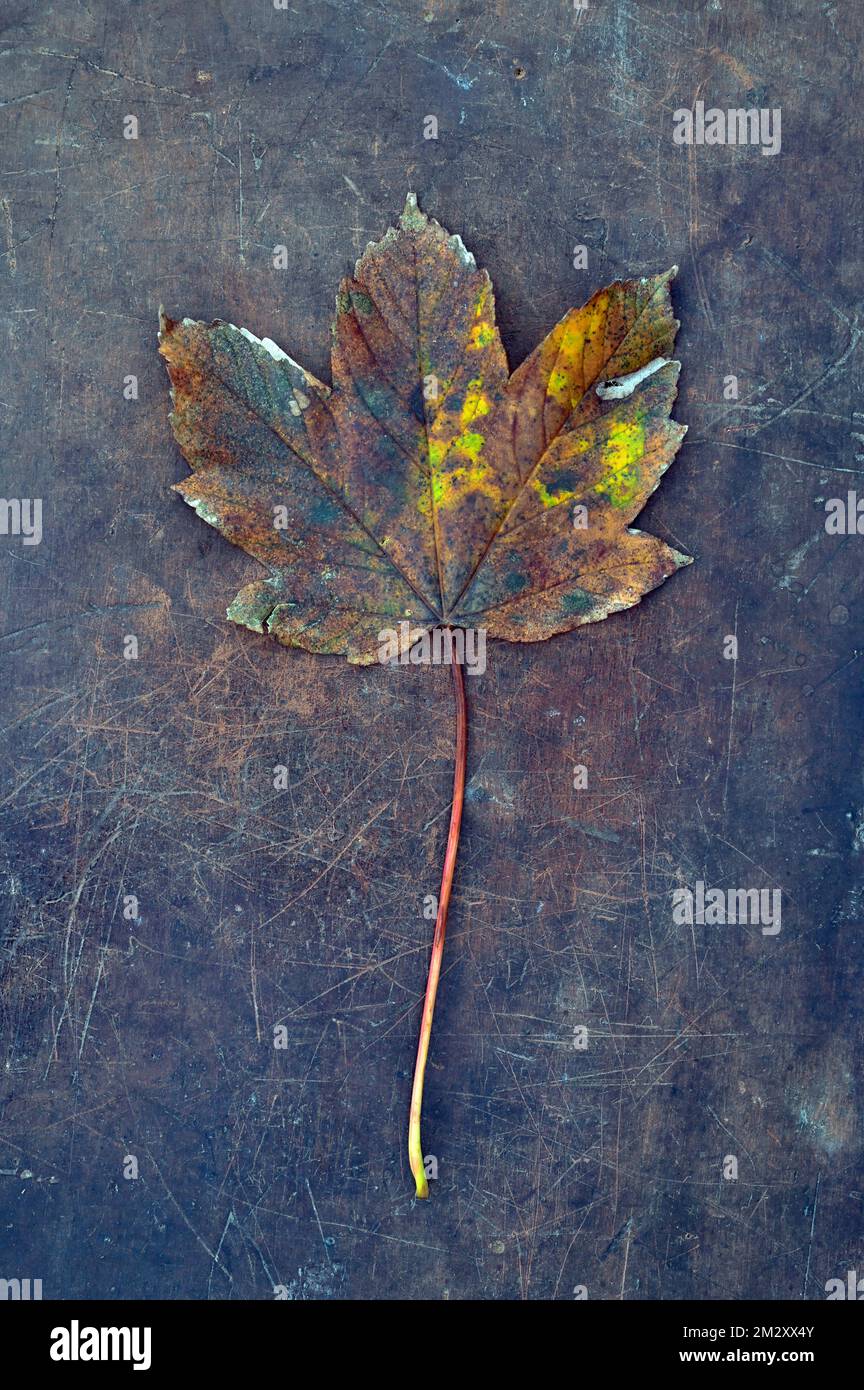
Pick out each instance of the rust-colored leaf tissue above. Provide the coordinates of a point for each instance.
(429, 488)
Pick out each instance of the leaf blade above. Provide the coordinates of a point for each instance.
(455, 505)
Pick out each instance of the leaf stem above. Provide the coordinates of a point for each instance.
(415, 1150)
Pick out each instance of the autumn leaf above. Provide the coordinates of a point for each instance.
(429, 487)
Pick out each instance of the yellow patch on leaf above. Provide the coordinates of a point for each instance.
(571, 343)
(621, 453)
(476, 403)
(481, 336)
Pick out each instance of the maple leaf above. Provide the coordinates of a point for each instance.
(430, 487)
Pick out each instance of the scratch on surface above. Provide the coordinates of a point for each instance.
(6, 209)
(812, 1229)
(320, 1227)
(693, 222)
(28, 96)
(731, 710)
(52, 1055)
(95, 67)
(240, 190)
(783, 458)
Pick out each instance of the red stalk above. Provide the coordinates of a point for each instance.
(415, 1150)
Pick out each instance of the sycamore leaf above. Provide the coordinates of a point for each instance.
(430, 487)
